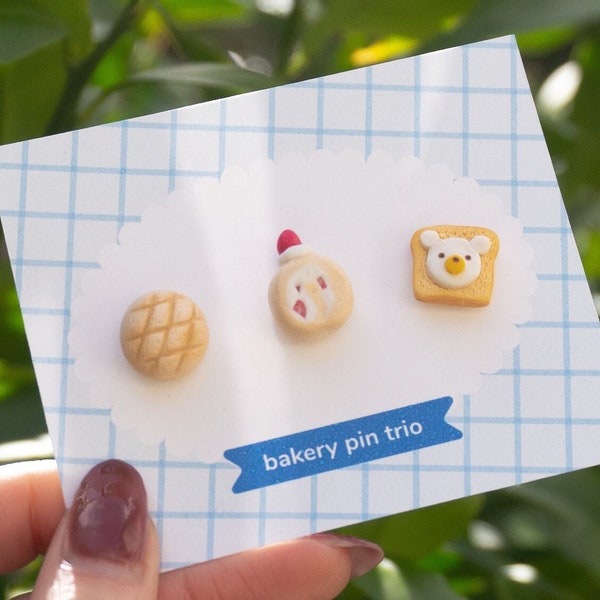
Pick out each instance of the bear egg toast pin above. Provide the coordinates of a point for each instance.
(164, 335)
(310, 295)
(454, 264)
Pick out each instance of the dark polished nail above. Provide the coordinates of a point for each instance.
(109, 514)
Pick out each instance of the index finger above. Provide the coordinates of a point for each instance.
(31, 506)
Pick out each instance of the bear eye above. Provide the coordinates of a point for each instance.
(441, 255)
(467, 257)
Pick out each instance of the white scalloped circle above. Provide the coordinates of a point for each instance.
(215, 241)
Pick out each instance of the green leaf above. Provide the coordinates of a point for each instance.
(196, 11)
(29, 25)
(193, 46)
(38, 39)
(126, 102)
(390, 581)
(588, 242)
(74, 15)
(425, 585)
(574, 515)
(106, 11)
(23, 32)
(386, 582)
(21, 415)
(552, 527)
(29, 91)
(16, 371)
(21, 581)
(542, 42)
(210, 75)
(503, 17)
(585, 109)
(114, 67)
(11, 322)
(413, 535)
(14, 377)
(416, 18)
(347, 25)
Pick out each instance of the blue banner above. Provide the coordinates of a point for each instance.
(342, 444)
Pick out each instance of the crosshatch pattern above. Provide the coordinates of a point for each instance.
(75, 191)
(164, 335)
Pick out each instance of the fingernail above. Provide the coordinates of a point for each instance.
(109, 515)
(365, 555)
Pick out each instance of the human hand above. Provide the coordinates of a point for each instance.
(106, 546)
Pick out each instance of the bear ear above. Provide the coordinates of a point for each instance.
(481, 243)
(429, 238)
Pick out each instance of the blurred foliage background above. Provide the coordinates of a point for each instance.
(75, 63)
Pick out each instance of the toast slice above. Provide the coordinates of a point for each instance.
(454, 264)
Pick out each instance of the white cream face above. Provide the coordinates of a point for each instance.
(453, 262)
(309, 294)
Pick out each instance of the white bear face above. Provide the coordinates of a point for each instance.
(453, 262)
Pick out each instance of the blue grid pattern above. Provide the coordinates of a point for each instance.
(451, 108)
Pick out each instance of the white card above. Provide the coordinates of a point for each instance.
(407, 403)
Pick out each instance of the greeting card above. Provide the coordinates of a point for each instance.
(312, 305)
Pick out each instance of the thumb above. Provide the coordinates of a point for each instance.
(106, 546)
